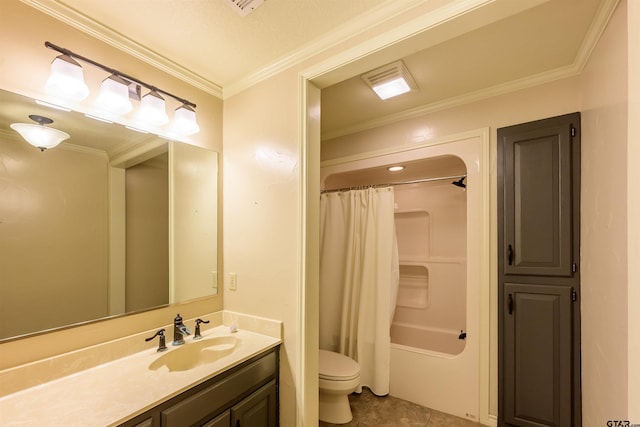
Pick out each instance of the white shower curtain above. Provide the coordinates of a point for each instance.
(358, 279)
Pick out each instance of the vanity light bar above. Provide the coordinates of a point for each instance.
(116, 72)
(116, 91)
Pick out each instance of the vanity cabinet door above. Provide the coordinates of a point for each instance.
(223, 420)
(535, 184)
(222, 394)
(257, 410)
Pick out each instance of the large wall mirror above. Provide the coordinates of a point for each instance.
(110, 222)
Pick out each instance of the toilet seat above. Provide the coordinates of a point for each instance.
(337, 367)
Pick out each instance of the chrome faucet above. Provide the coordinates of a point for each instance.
(179, 331)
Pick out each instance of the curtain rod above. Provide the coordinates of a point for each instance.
(391, 184)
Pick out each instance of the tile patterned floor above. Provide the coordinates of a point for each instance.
(370, 410)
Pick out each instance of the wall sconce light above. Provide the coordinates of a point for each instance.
(390, 80)
(67, 79)
(153, 109)
(39, 135)
(184, 121)
(114, 95)
(117, 90)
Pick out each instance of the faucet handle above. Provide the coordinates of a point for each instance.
(197, 335)
(162, 346)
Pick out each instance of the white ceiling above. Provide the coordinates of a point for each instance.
(481, 48)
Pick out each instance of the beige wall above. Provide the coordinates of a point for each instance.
(24, 68)
(604, 227)
(193, 174)
(262, 198)
(633, 207)
(54, 234)
(147, 234)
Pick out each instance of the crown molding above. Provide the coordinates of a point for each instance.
(456, 101)
(95, 29)
(590, 41)
(361, 23)
(598, 25)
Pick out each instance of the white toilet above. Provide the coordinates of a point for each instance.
(339, 377)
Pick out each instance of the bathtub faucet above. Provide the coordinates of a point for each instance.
(179, 331)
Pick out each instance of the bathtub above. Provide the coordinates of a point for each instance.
(434, 368)
(430, 341)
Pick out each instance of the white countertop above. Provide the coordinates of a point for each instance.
(115, 392)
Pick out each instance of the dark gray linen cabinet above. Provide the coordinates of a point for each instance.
(538, 273)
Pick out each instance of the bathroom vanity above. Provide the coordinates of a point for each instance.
(230, 377)
(246, 395)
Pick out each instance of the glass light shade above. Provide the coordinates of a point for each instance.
(152, 109)
(114, 95)
(184, 121)
(66, 79)
(40, 136)
(392, 88)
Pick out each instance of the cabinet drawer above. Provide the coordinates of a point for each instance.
(223, 420)
(220, 395)
(146, 423)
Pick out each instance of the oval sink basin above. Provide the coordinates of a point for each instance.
(195, 353)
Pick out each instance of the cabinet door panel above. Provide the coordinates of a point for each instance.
(537, 355)
(257, 410)
(537, 200)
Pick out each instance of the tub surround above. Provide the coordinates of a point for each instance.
(107, 384)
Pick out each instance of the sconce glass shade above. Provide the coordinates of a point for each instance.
(184, 121)
(114, 95)
(66, 79)
(152, 109)
(39, 135)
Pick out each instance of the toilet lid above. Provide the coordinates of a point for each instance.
(336, 366)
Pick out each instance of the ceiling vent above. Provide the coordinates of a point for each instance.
(244, 7)
(390, 80)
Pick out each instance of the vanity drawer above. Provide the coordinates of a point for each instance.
(220, 395)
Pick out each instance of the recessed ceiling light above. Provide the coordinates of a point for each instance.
(395, 168)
